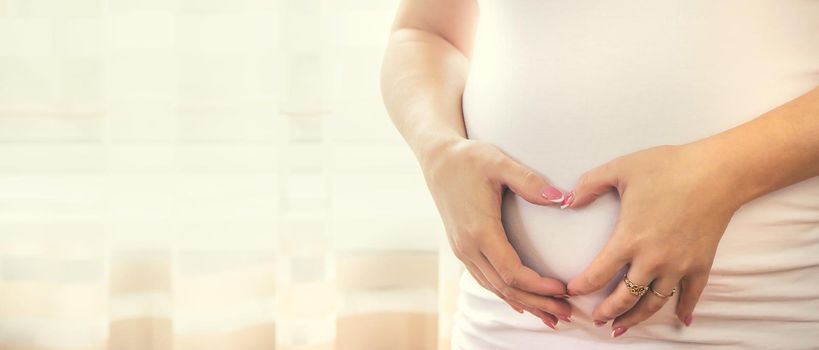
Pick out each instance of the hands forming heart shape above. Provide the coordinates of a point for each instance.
(675, 204)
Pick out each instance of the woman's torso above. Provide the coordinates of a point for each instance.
(563, 86)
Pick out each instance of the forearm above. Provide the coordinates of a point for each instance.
(777, 149)
(422, 82)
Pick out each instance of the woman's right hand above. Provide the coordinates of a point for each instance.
(467, 179)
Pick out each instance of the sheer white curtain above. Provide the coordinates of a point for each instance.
(219, 174)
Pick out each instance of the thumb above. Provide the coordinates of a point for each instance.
(592, 185)
(528, 184)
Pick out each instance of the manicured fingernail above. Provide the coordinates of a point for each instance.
(550, 324)
(518, 310)
(568, 319)
(598, 323)
(688, 320)
(552, 194)
(568, 201)
(572, 293)
(618, 332)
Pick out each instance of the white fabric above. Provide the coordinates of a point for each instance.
(201, 175)
(563, 86)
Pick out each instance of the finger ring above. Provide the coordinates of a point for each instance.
(633, 288)
(674, 290)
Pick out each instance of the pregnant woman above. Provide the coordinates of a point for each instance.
(644, 173)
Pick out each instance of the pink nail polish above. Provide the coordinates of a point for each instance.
(599, 323)
(568, 201)
(550, 324)
(618, 332)
(552, 194)
(568, 319)
(688, 320)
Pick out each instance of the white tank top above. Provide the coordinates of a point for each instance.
(565, 85)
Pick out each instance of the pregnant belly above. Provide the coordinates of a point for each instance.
(563, 94)
(564, 128)
(562, 243)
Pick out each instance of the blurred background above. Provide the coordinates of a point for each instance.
(210, 174)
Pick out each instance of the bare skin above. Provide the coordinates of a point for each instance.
(676, 200)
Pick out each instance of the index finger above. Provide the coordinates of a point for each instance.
(605, 266)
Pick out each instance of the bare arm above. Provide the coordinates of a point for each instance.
(775, 150)
(425, 69)
(422, 82)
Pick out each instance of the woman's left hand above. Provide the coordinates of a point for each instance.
(675, 203)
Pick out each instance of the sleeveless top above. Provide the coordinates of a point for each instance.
(565, 85)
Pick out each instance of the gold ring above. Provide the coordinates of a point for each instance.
(674, 290)
(633, 288)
